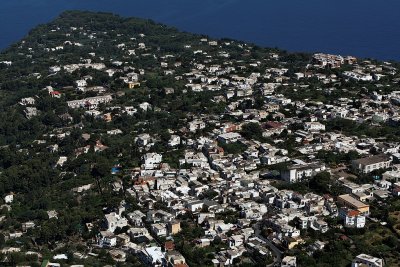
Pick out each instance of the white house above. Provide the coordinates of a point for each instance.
(61, 161)
(196, 125)
(174, 141)
(228, 138)
(159, 229)
(195, 205)
(136, 218)
(107, 239)
(369, 164)
(9, 198)
(81, 83)
(114, 220)
(236, 241)
(91, 102)
(137, 232)
(314, 126)
(151, 160)
(319, 225)
(301, 172)
(352, 218)
(289, 261)
(145, 106)
(366, 260)
(27, 101)
(143, 139)
(153, 256)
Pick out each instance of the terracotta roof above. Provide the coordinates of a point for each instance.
(353, 213)
(169, 245)
(273, 124)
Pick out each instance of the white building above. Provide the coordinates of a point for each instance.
(9, 198)
(54, 69)
(369, 164)
(352, 218)
(195, 205)
(107, 239)
(366, 260)
(301, 172)
(314, 126)
(27, 101)
(114, 220)
(228, 138)
(61, 161)
(31, 112)
(81, 83)
(269, 159)
(236, 241)
(138, 232)
(174, 141)
(151, 160)
(145, 106)
(143, 139)
(159, 229)
(153, 256)
(196, 125)
(289, 261)
(358, 76)
(319, 225)
(90, 102)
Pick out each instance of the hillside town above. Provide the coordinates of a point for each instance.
(210, 153)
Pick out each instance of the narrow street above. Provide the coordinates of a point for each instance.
(276, 251)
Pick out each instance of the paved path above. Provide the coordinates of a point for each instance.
(278, 253)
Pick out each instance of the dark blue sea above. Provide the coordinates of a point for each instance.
(363, 28)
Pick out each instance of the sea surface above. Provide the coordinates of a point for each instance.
(363, 28)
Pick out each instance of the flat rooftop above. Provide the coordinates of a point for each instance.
(372, 160)
(352, 201)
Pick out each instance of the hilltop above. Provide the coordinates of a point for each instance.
(125, 141)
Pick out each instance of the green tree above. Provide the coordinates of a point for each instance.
(252, 131)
